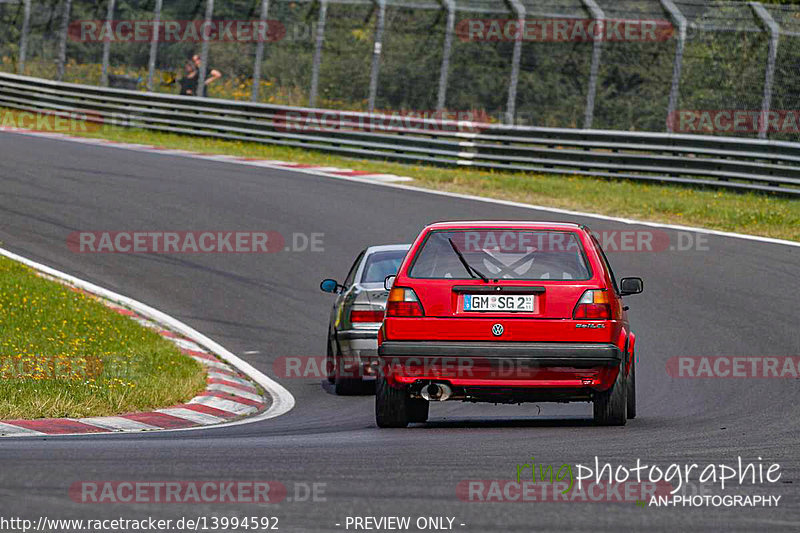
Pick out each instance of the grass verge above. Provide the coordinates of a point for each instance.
(750, 213)
(64, 354)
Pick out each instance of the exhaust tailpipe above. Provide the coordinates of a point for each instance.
(436, 392)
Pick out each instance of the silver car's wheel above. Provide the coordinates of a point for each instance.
(345, 384)
(330, 362)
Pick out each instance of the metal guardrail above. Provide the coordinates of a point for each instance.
(733, 163)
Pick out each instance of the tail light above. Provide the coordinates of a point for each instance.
(593, 305)
(403, 302)
(366, 316)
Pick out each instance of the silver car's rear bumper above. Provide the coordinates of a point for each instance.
(359, 350)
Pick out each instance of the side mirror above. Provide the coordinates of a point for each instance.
(630, 286)
(388, 282)
(329, 285)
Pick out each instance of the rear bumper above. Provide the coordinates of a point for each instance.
(531, 354)
(526, 365)
(358, 334)
(359, 350)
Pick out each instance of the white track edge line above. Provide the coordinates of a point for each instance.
(282, 400)
(510, 203)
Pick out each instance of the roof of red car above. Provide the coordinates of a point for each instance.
(515, 224)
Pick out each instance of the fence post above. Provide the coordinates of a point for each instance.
(441, 98)
(23, 38)
(264, 27)
(677, 64)
(320, 39)
(511, 104)
(201, 75)
(597, 50)
(62, 40)
(769, 75)
(376, 55)
(151, 61)
(108, 27)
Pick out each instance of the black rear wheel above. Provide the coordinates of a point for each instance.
(391, 405)
(610, 407)
(632, 390)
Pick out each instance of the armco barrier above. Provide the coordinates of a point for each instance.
(700, 160)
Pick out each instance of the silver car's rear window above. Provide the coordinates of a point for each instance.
(502, 254)
(382, 264)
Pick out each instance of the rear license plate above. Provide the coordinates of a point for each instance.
(511, 303)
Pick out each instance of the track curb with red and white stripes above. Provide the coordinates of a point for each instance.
(235, 393)
(333, 172)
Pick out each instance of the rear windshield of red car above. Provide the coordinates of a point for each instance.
(501, 254)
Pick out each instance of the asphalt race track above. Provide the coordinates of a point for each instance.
(737, 298)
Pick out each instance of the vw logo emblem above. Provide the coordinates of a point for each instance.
(497, 330)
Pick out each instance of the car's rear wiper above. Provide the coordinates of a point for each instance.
(470, 268)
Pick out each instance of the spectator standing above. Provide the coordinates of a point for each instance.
(188, 83)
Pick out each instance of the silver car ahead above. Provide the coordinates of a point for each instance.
(356, 316)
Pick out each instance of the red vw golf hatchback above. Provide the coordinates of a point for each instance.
(506, 312)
